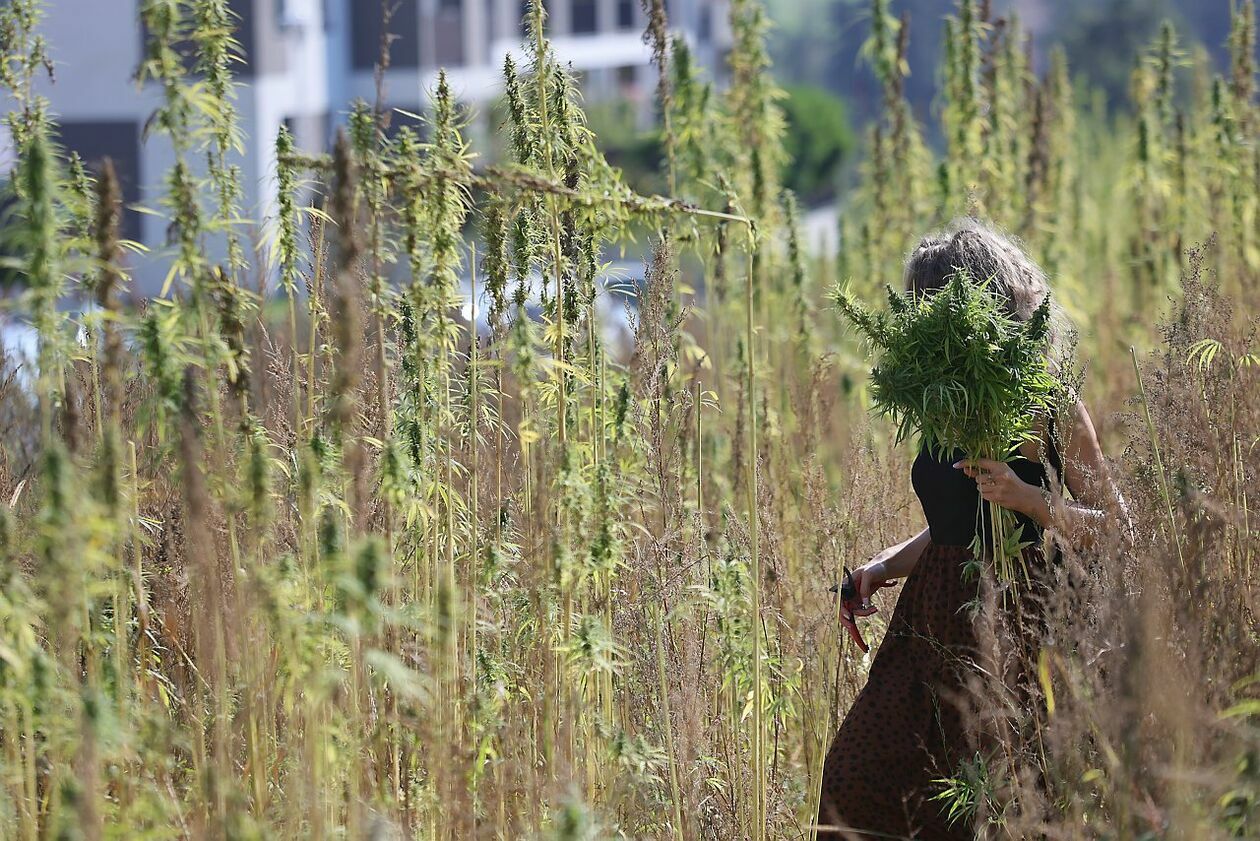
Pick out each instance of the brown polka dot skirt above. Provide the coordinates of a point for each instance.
(905, 729)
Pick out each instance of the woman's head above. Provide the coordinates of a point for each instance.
(985, 255)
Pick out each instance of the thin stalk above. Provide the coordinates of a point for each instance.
(295, 363)
(317, 283)
(700, 518)
(474, 549)
(759, 791)
(500, 181)
(137, 578)
(1159, 464)
(451, 655)
(1239, 473)
(606, 580)
(546, 132)
(30, 802)
(667, 723)
(13, 774)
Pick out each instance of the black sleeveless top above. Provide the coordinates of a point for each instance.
(951, 500)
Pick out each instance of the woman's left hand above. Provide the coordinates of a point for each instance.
(999, 484)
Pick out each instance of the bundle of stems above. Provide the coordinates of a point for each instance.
(956, 370)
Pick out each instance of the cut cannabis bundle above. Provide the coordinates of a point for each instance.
(956, 369)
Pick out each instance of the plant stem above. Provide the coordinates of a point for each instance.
(667, 722)
(1159, 464)
(759, 805)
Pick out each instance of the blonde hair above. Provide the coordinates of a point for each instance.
(987, 256)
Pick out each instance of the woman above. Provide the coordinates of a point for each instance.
(907, 727)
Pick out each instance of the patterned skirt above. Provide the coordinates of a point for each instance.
(912, 724)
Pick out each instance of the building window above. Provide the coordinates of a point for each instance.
(365, 30)
(241, 16)
(118, 140)
(448, 36)
(625, 14)
(584, 17)
(310, 132)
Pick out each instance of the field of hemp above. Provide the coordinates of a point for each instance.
(288, 552)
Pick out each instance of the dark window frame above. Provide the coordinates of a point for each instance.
(365, 37)
(626, 14)
(584, 17)
(120, 141)
(449, 24)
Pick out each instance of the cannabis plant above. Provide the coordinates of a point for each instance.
(955, 369)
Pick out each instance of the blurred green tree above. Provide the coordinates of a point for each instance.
(817, 42)
(819, 140)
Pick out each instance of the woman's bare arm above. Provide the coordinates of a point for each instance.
(896, 561)
(899, 560)
(1095, 497)
(1095, 502)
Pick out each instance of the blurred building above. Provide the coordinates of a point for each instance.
(306, 60)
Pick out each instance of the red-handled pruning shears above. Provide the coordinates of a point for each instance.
(850, 602)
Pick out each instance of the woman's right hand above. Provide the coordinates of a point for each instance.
(866, 580)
